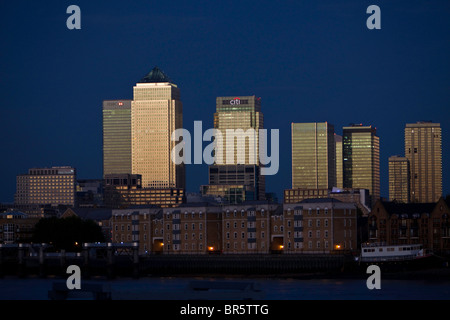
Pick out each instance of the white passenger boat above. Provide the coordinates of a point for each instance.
(380, 252)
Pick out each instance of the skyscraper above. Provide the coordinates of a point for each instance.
(156, 111)
(361, 155)
(339, 161)
(116, 137)
(238, 119)
(399, 179)
(423, 149)
(313, 155)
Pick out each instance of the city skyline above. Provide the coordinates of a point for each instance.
(385, 78)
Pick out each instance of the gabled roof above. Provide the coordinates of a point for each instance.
(320, 200)
(408, 208)
(156, 75)
(96, 214)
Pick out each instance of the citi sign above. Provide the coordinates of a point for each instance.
(235, 101)
(235, 140)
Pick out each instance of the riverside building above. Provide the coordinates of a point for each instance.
(47, 186)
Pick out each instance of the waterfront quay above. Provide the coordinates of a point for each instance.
(112, 259)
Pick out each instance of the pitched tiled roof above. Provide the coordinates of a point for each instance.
(96, 214)
(408, 208)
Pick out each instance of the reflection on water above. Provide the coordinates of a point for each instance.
(273, 289)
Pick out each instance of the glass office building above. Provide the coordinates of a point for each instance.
(313, 155)
(238, 119)
(423, 149)
(156, 111)
(399, 189)
(361, 159)
(339, 161)
(116, 136)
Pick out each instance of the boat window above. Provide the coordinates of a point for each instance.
(380, 250)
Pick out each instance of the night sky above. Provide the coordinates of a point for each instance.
(309, 61)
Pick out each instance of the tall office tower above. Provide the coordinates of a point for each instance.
(239, 119)
(423, 148)
(313, 155)
(54, 186)
(116, 137)
(339, 161)
(399, 179)
(361, 155)
(156, 111)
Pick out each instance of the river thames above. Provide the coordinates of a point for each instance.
(178, 288)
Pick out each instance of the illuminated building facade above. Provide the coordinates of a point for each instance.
(246, 228)
(313, 155)
(192, 228)
(339, 161)
(53, 186)
(361, 159)
(423, 149)
(399, 179)
(156, 111)
(125, 190)
(238, 119)
(314, 226)
(116, 136)
(229, 192)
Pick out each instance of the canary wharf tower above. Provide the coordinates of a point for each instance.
(156, 111)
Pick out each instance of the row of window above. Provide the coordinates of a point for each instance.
(250, 235)
(250, 224)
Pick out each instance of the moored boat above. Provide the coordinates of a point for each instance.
(380, 252)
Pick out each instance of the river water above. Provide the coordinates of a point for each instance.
(172, 288)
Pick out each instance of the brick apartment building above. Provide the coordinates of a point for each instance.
(316, 226)
(312, 226)
(411, 223)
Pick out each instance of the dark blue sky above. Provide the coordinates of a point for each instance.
(308, 61)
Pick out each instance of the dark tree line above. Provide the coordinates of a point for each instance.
(67, 233)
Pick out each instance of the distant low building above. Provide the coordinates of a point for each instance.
(17, 227)
(358, 196)
(41, 186)
(89, 193)
(101, 216)
(125, 190)
(34, 209)
(230, 193)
